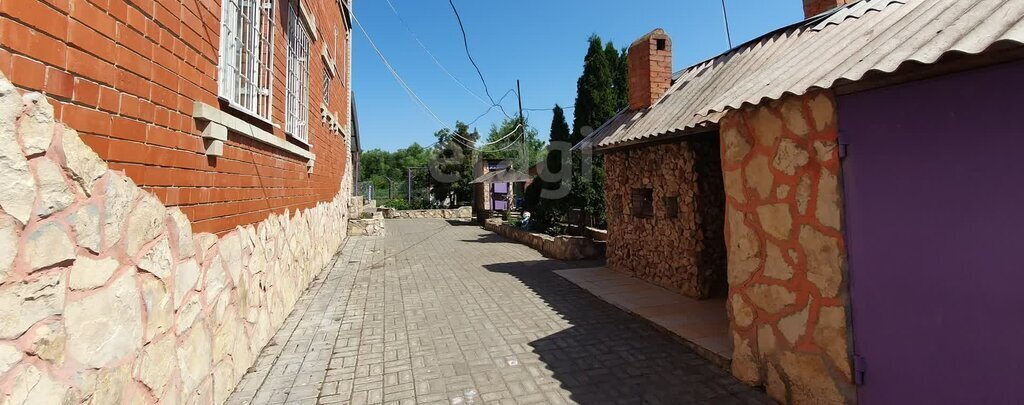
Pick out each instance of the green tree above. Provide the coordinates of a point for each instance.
(595, 95)
(601, 91)
(502, 145)
(547, 211)
(452, 168)
(388, 170)
(620, 74)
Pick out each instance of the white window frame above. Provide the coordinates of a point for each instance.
(296, 121)
(246, 61)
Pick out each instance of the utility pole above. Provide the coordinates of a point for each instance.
(522, 127)
(408, 183)
(525, 150)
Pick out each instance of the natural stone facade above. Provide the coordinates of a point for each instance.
(683, 252)
(106, 296)
(562, 247)
(787, 293)
(371, 225)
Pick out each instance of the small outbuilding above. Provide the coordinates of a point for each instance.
(847, 185)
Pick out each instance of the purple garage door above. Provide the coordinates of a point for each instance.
(934, 182)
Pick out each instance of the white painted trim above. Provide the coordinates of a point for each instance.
(328, 62)
(205, 112)
(310, 21)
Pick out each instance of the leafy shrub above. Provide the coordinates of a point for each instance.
(397, 203)
(556, 229)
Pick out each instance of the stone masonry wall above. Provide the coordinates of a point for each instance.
(454, 213)
(684, 253)
(107, 296)
(787, 258)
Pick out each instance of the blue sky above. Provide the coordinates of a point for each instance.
(541, 43)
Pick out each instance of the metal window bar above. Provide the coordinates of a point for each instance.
(246, 55)
(297, 103)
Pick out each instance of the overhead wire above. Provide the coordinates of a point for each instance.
(392, 69)
(510, 91)
(466, 142)
(510, 144)
(549, 109)
(465, 43)
(458, 137)
(432, 57)
(405, 86)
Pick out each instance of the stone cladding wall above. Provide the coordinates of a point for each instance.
(684, 253)
(787, 257)
(107, 296)
(562, 247)
(454, 213)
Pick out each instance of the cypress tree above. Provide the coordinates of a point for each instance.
(620, 76)
(601, 91)
(559, 133)
(595, 95)
(553, 164)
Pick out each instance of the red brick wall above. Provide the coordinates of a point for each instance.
(125, 73)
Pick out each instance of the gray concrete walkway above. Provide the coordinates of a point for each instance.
(453, 314)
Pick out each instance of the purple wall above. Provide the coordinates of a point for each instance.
(934, 183)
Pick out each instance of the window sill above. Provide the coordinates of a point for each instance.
(215, 125)
(252, 114)
(299, 140)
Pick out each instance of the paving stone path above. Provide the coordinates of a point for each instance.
(439, 313)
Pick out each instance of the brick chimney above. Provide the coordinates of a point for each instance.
(650, 69)
(815, 7)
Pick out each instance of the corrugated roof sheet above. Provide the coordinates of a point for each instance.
(507, 175)
(841, 46)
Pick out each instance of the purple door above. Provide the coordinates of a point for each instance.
(934, 184)
(499, 197)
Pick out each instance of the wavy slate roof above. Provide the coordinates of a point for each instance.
(838, 47)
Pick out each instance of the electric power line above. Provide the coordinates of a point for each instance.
(392, 69)
(432, 57)
(462, 141)
(510, 144)
(549, 109)
(510, 91)
(458, 138)
(465, 43)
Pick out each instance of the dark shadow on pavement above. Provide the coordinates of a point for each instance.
(611, 357)
(460, 222)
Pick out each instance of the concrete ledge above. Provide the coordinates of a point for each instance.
(210, 114)
(563, 247)
(702, 325)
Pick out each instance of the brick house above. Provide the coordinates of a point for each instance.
(175, 175)
(226, 112)
(840, 184)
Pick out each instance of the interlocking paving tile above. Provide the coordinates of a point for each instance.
(440, 313)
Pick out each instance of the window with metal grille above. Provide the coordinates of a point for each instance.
(297, 90)
(246, 55)
(327, 86)
(671, 207)
(641, 203)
